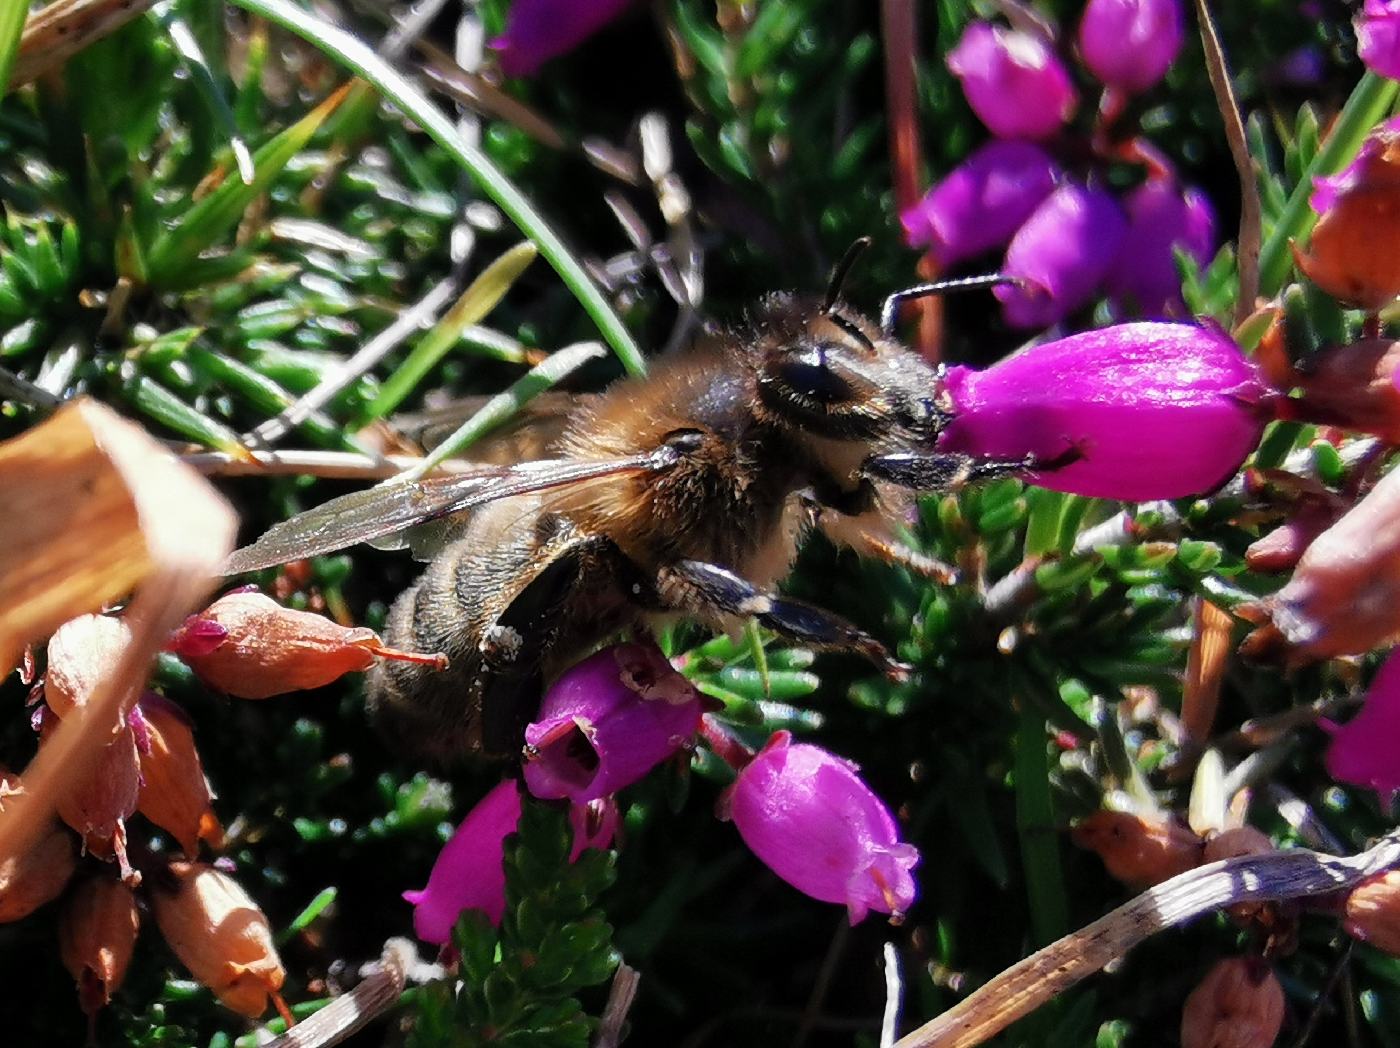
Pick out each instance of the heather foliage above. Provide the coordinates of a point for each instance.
(1160, 641)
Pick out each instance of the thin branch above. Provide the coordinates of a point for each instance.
(894, 996)
(1025, 986)
(620, 997)
(330, 465)
(1251, 220)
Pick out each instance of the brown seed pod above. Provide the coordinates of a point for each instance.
(1239, 1004)
(1136, 850)
(96, 935)
(220, 935)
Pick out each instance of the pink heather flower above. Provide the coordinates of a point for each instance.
(1378, 37)
(1062, 252)
(1128, 44)
(538, 30)
(982, 201)
(607, 722)
(813, 821)
(469, 873)
(1013, 81)
(1365, 751)
(1161, 217)
(1153, 410)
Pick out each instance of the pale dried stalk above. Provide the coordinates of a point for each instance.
(339, 465)
(1205, 672)
(95, 508)
(1251, 219)
(1025, 986)
(377, 993)
(56, 33)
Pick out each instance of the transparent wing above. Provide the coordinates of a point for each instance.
(376, 512)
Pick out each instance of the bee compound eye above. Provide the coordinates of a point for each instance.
(809, 374)
(685, 441)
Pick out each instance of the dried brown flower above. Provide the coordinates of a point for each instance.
(80, 654)
(96, 935)
(1139, 851)
(1373, 911)
(174, 792)
(220, 935)
(98, 800)
(1239, 1004)
(28, 881)
(266, 649)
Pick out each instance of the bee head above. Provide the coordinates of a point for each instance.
(832, 373)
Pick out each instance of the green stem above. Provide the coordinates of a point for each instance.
(353, 53)
(1035, 825)
(12, 16)
(1369, 102)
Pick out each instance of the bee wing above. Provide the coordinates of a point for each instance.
(375, 512)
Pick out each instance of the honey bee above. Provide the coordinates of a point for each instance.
(683, 493)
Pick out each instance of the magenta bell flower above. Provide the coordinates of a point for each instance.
(982, 201)
(1153, 410)
(813, 821)
(469, 873)
(1128, 44)
(1378, 37)
(1161, 217)
(1365, 751)
(607, 722)
(538, 30)
(1062, 253)
(1013, 81)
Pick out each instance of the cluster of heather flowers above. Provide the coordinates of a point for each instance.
(244, 645)
(1039, 188)
(612, 718)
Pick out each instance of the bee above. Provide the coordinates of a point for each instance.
(682, 493)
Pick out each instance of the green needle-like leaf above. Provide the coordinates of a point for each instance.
(355, 54)
(12, 15)
(476, 301)
(212, 217)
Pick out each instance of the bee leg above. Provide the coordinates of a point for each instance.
(942, 471)
(695, 586)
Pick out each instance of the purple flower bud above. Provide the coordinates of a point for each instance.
(1062, 252)
(1365, 751)
(1378, 37)
(538, 30)
(813, 821)
(1369, 166)
(1014, 81)
(1161, 218)
(469, 873)
(1154, 411)
(607, 722)
(982, 201)
(1128, 44)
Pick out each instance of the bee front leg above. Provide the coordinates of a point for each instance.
(698, 587)
(943, 471)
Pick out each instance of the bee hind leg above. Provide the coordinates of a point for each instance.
(695, 586)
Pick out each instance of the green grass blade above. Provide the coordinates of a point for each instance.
(1035, 824)
(213, 216)
(353, 53)
(476, 301)
(1368, 104)
(498, 409)
(12, 15)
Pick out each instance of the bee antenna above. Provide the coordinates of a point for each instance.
(842, 270)
(939, 287)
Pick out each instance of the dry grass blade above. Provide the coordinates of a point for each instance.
(1251, 217)
(56, 33)
(97, 509)
(1027, 985)
(377, 993)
